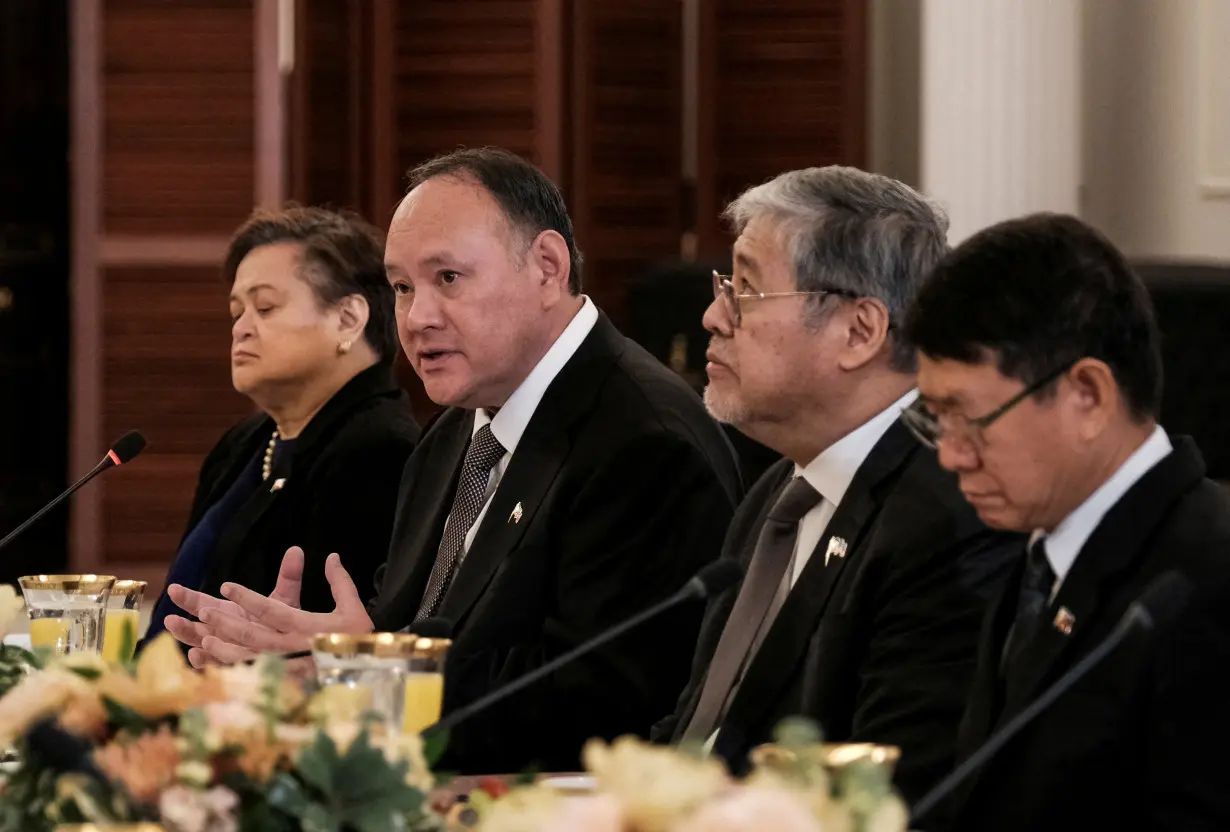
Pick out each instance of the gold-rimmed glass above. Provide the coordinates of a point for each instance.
(123, 620)
(67, 612)
(372, 663)
(424, 685)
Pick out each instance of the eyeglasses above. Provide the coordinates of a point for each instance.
(931, 429)
(724, 287)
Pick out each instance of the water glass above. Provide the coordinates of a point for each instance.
(374, 663)
(67, 612)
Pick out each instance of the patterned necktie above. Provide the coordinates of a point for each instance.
(753, 608)
(484, 452)
(1036, 584)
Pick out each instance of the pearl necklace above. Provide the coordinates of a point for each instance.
(267, 468)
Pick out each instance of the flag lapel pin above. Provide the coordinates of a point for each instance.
(515, 517)
(1064, 621)
(836, 549)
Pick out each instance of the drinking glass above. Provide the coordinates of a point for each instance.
(374, 663)
(123, 619)
(67, 612)
(424, 685)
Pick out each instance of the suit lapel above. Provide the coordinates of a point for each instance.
(1115, 546)
(534, 466)
(418, 531)
(531, 471)
(781, 653)
(986, 696)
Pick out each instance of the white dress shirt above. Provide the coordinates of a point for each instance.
(511, 420)
(831, 472)
(1065, 543)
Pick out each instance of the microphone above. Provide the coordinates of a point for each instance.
(1159, 606)
(124, 449)
(709, 581)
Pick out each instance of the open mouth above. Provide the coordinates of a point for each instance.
(429, 359)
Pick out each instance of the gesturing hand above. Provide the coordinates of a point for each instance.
(248, 623)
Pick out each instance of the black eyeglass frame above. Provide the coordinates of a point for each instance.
(926, 428)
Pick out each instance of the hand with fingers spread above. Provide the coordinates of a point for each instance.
(247, 623)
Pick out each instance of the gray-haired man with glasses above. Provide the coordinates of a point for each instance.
(867, 574)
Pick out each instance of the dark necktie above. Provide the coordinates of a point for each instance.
(482, 455)
(1037, 582)
(755, 607)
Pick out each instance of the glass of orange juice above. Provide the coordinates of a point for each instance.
(424, 693)
(123, 619)
(67, 612)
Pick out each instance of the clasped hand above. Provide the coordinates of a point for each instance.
(244, 623)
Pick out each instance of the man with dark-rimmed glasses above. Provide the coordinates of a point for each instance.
(1040, 385)
(867, 574)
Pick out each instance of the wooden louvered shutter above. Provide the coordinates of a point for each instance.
(782, 85)
(626, 173)
(167, 123)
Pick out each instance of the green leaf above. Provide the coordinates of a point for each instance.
(125, 718)
(128, 644)
(318, 762)
(434, 747)
(317, 818)
(286, 794)
(87, 672)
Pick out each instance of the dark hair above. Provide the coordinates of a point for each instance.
(343, 255)
(1036, 293)
(528, 198)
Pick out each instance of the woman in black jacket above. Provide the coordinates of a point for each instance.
(313, 341)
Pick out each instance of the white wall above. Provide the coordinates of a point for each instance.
(1156, 146)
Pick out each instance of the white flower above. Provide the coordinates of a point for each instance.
(195, 773)
(242, 682)
(185, 809)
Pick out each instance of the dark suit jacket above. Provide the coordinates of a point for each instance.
(626, 486)
(878, 646)
(1141, 742)
(339, 496)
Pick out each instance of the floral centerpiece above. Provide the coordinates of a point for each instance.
(798, 785)
(14, 660)
(238, 748)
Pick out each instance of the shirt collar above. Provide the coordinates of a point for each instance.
(511, 420)
(1066, 541)
(833, 470)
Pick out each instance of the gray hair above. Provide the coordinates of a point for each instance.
(854, 231)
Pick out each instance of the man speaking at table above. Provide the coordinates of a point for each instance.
(572, 481)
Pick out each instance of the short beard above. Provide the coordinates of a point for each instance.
(726, 409)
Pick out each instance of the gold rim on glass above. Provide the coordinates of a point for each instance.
(376, 645)
(79, 584)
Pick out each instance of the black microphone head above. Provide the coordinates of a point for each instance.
(717, 576)
(434, 627)
(1164, 599)
(127, 447)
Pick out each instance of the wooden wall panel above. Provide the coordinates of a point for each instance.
(166, 372)
(465, 75)
(782, 85)
(178, 115)
(179, 112)
(626, 140)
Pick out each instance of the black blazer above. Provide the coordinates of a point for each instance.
(340, 491)
(626, 486)
(1140, 743)
(878, 646)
